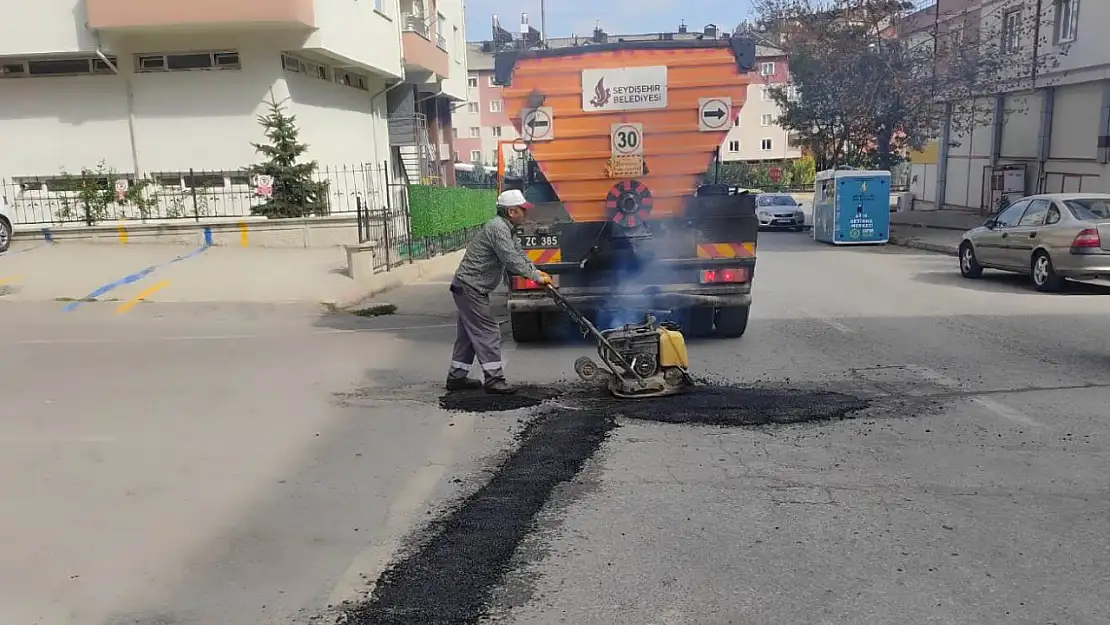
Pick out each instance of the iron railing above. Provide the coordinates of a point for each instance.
(386, 226)
(93, 196)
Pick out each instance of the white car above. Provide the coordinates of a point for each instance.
(779, 210)
(5, 226)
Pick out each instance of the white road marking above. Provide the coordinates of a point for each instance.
(835, 325)
(369, 564)
(216, 337)
(992, 405)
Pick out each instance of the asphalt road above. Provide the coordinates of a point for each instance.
(222, 465)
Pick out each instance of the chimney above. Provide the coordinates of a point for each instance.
(600, 36)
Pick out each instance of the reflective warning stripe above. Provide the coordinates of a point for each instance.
(544, 256)
(726, 250)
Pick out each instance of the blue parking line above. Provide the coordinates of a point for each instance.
(135, 277)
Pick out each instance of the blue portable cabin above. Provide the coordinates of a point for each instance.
(851, 207)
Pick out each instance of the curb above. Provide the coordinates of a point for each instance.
(895, 224)
(401, 276)
(940, 248)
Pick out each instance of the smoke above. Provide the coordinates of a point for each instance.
(638, 272)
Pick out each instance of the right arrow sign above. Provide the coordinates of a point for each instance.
(714, 114)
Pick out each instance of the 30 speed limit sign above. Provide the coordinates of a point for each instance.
(627, 140)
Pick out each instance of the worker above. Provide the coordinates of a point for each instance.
(490, 255)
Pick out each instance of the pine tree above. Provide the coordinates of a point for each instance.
(296, 193)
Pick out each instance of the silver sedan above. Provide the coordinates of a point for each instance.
(1051, 238)
(779, 210)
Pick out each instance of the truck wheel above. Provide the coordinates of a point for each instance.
(733, 322)
(700, 322)
(527, 327)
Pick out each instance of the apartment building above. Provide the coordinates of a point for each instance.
(157, 87)
(1049, 127)
(482, 123)
(755, 136)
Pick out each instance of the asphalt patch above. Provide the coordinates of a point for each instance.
(447, 580)
(449, 573)
(738, 406)
(481, 401)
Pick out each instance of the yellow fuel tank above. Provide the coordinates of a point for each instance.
(672, 349)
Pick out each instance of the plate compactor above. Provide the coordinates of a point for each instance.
(646, 359)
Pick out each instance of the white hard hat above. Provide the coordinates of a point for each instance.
(512, 198)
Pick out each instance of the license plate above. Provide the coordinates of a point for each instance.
(783, 222)
(538, 241)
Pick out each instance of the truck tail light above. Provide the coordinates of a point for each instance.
(524, 284)
(724, 276)
(1087, 239)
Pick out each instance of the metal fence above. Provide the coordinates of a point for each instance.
(385, 224)
(92, 196)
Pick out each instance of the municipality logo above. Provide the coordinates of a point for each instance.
(601, 94)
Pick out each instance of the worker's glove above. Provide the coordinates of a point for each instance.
(545, 279)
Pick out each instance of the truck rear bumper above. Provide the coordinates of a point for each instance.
(536, 301)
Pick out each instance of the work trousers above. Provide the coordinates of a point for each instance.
(477, 334)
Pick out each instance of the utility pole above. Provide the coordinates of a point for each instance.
(543, 22)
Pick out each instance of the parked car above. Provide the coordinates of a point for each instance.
(1051, 238)
(5, 226)
(779, 210)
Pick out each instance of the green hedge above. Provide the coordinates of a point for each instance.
(442, 210)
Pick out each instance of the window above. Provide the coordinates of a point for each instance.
(55, 67)
(1066, 24)
(1053, 215)
(736, 122)
(475, 132)
(351, 79)
(497, 131)
(495, 106)
(441, 29)
(293, 64)
(471, 107)
(472, 82)
(187, 61)
(1009, 217)
(491, 83)
(454, 133)
(1011, 31)
(457, 44)
(792, 93)
(765, 145)
(475, 156)
(765, 94)
(733, 146)
(767, 69)
(766, 119)
(1035, 215)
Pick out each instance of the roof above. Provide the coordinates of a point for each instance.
(480, 61)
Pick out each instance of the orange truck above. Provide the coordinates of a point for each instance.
(616, 140)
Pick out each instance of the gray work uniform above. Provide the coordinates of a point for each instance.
(492, 253)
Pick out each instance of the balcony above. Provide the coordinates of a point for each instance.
(161, 14)
(422, 55)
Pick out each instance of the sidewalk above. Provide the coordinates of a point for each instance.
(935, 231)
(942, 219)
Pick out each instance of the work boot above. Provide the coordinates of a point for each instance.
(463, 384)
(498, 386)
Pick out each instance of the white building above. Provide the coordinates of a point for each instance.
(755, 135)
(1051, 118)
(152, 87)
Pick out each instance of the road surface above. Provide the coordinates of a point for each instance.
(198, 463)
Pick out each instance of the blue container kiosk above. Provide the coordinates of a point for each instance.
(851, 207)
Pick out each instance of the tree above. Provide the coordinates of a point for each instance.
(296, 193)
(871, 79)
